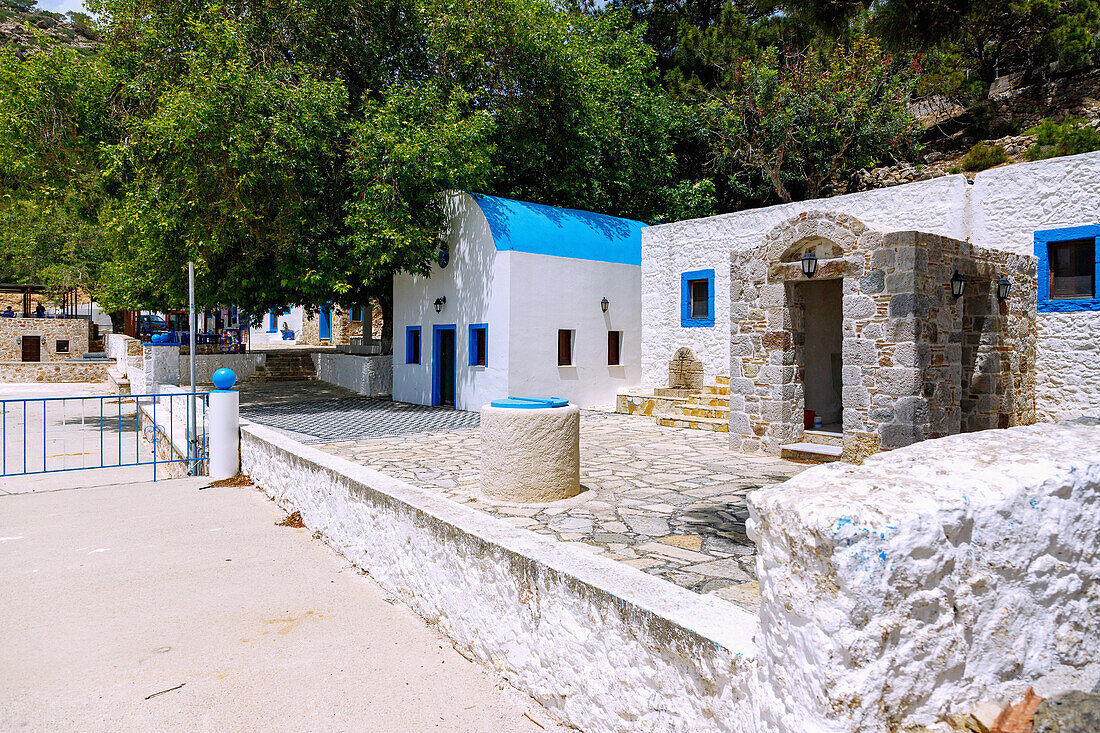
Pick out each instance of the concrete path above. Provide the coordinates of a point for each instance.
(167, 606)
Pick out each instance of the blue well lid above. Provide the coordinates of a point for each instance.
(530, 403)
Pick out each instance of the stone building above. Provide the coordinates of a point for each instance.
(1042, 213)
(43, 339)
(869, 336)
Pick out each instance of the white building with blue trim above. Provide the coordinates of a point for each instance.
(525, 300)
(1049, 209)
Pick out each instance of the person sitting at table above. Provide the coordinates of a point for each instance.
(40, 311)
(287, 334)
(9, 313)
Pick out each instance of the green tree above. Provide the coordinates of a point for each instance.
(814, 119)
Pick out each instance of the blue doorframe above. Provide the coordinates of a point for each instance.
(324, 326)
(437, 365)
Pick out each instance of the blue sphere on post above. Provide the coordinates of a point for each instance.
(224, 378)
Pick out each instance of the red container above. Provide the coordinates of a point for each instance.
(808, 419)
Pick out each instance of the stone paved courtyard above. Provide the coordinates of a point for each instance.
(668, 501)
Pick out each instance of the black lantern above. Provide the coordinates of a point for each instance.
(809, 264)
(439, 303)
(603, 304)
(1004, 287)
(958, 285)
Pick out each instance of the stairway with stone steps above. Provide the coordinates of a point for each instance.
(283, 366)
(708, 409)
(816, 446)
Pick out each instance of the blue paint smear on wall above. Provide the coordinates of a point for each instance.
(519, 226)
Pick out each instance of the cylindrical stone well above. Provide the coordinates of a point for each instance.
(530, 454)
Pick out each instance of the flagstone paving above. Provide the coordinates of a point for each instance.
(670, 502)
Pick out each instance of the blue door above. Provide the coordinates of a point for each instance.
(443, 365)
(324, 327)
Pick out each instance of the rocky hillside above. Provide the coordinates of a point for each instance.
(22, 25)
(1003, 127)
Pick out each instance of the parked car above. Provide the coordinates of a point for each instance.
(151, 323)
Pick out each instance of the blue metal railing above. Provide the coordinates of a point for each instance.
(105, 422)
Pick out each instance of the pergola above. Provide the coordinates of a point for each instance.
(68, 299)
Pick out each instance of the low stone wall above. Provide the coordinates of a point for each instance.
(919, 585)
(367, 375)
(243, 365)
(122, 349)
(602, 645)
(930, 579)
(77, 370)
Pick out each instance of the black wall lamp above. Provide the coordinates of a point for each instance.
(958, 285)
(439, 303)
(809, 264)
(1004, 287)
(603, 304)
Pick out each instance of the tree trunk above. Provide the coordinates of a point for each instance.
(386, 302)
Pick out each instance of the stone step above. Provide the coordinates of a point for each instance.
(823, 437)
(717, 389)
(810, 452)
(714, 424)
(694, 411)
(722, 380)
(709, 399)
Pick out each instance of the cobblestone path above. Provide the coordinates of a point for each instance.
(667, 501)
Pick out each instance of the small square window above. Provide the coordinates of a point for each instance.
(565, 347)
(412, 345)
(1072, 269)
(700, 298)
(62, 347)
(479, 344)
(614, 348)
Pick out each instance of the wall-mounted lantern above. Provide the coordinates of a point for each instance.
(603, 304)
(1004, 287)
(439, 303)
(809, 264)
(958, 285)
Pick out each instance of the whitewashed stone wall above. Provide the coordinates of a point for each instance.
(920, 584)
(367, 375)
(929, 579)
(603, 645)
(243, 365)
(1007, 211)
(937, 206)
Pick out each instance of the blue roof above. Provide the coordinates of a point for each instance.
(519, 226)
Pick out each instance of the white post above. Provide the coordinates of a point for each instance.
(225, 436)
(192, 414)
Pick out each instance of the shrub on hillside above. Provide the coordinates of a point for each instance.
(1068, 138)
(982, 156)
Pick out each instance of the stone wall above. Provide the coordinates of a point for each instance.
(341, 333)
(50, 330)
(243, 365)
(917, 364)
(367, 375)
(929, 580)
(77, 370)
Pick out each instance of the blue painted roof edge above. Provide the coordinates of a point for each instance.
(520, 226)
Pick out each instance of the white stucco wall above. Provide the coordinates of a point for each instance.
(551, 293)
(293, 320)
(937, 206)
(475, 283)
(1008, 205)
(368, 375)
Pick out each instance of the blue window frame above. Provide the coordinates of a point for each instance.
(412, 344)
(479, 344)
(697, 299)
(1069, 262)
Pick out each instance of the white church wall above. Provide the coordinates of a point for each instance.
(552, 293)
(475, 284)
